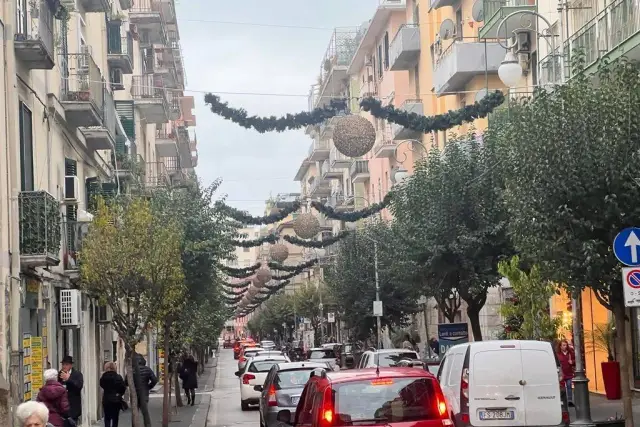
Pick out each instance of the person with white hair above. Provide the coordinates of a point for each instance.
(32, 414)
(54, 396)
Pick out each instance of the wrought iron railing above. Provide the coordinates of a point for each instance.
(165, 133)
(336, 156)
(318, 144)
(37, 24)
(149, 86)
(172, 164)
(358, 167)
(84, 81)
(40, 229)
(173, 98)
(156, 174)
(130, 163)
(74, 233)
(491, 7)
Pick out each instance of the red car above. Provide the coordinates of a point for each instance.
(389, 397)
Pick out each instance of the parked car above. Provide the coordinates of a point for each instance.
(254, 373)
(247, 354)
(390, 397)
(388, 357)
(227, 344)
(512, 382)
(322, 354)
(282, 389)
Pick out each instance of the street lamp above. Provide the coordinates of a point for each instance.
(510, 70)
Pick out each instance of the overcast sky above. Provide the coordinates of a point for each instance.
(256, 59)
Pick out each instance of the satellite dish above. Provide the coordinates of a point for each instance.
(477, 11)
(447, 29)
(481, 94)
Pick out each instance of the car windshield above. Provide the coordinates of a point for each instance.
(392, 359)
(292, 379)
(263, 365)
(250, 353)
(391, 400)
(325, 353)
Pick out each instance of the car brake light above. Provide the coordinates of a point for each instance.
(464, 383)
(441, 405)
(382, 381)
(242, 359)
(272, 396)
(326, 417)
(247, 377)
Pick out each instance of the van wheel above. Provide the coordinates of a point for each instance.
(244, 405)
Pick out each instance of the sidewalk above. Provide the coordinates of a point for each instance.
(187, 416)
(603, 409)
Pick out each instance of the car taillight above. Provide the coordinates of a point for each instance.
(242, 359)
(247, 377)
(272, 397)
(464, 383)
(441, 406)
(326, 414)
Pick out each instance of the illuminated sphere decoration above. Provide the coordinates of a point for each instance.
(306, 226)
(279, 252)
(263, 275)
(354, 136)
(253, 291)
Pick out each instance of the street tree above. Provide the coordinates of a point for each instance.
(273, 313)
(571, 185)
(451, 214)
(352, 281)
(130, 262)
(306, 301)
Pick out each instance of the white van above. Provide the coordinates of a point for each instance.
(502, 383)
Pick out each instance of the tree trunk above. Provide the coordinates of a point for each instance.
(132, 381)
(474, 305)
(176, 384)
(617, 304)
(166, 381)
(474, 318)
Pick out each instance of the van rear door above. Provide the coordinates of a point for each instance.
(495, 394)
(543, 403)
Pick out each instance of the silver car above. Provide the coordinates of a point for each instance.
(282, 389)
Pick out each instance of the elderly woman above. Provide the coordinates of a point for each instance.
(54, 396)
(32, 414)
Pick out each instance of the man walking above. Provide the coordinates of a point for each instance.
(73, 381)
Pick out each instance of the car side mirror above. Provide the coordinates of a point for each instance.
(237, 373)
(257, 387)
(284, 416)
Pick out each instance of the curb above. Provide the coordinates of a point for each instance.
(202, 413)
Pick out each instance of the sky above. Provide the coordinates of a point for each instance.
(224, 53)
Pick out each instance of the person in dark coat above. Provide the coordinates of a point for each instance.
(73, 381)
(54, 396)
(148, 380)
(189, 377)
(113, 389)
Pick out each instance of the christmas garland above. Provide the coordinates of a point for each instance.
(270, 124)
(232, 301)
(316, 243)
(245, 218)
(292, 268)
(373, 209)
(242, 285)
(427, 124)
(239, 273)
(270, 238)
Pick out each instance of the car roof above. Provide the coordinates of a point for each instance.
(320, 349)
(259, 358)
(393, 350)
(298, 365)
(372, 373)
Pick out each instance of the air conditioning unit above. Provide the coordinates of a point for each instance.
(104, 314)
(71, 188)
(70, 307)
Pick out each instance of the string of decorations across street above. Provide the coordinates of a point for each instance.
(370, 210)
(232, 271)
(292, 268)
(274, 216)
(242, 285)
(317, 244)
(269, 238)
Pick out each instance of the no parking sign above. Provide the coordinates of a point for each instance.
(631, 284)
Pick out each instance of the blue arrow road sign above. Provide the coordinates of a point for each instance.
(626, 246)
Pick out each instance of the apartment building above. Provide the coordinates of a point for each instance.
(89, 89)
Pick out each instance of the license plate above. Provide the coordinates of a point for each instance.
(497, 415)
(295, 400)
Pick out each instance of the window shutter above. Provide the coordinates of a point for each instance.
(127, 118)
(70, 167)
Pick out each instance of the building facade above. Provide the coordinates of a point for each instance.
(93, 104)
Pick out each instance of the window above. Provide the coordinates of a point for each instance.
(380, 61)
(292, 379)
(26, 148)
(322, 354)
(386, 50)
(264, 366)
(246, 249)
(391, 359)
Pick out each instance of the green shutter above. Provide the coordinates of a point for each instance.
(113, 38)
(121, 146)
(127, 118)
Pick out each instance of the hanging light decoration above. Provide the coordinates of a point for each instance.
(354, 135)
(279, 252)
(253, 291)
(306, 226)
(263, 275)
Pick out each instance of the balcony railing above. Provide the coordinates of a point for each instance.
(319, 150)
(173, 98)
(40, 229)
(338, 160)
(497, 10)
(129, 164)
(156, 174)
(172, 164)
(84, 82)
(359, 167)
(121, 46)
(34, 39)
(149, 86)
(405, 48)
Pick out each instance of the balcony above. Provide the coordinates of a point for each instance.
(168, 10)
(437, 4)
(166, 143)
(385, 149)
(359, 171)
(338, 160)
(184, 147)
(40, 229)
(120, 50)
(172, 165)
(461, 61)
(150, 22)
(404, 51)
(95, 6)
(318, 150)
(329, 172)
(74, 232)
(340, 203)
(320, 188)
(302, 170)
(34, 39)
(173, 97)
(129, 166)
(496, 10)
(187, 106)
(411, 106)
(102, 137)
(150, 97)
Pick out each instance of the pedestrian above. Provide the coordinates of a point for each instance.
(406, 344)
(32, 414)
(567, 359)
(434, 345)
(73, 381)
(189, 377)
(54, 396)
(148, 380)
(113, 388)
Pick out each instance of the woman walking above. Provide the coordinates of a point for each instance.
(113, 390)
(189, 377)
(54, 396)
(567, 359)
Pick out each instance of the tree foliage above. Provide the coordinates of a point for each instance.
(451, 213)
